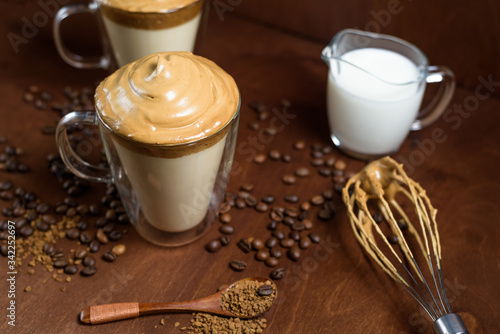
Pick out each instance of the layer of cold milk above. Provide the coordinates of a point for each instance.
(130, 43)
(371, 110)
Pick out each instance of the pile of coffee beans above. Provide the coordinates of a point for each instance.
(11, 158)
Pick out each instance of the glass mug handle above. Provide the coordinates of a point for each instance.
(436, 107)
(68, 56)
(75, 163)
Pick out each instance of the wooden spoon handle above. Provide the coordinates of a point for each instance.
(99, 314)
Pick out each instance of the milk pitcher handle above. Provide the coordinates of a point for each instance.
(436, 107)
(75, 163)
(68, 56)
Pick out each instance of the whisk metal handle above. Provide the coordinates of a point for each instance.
(450, 323)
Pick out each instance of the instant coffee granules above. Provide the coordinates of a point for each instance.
(244, 299)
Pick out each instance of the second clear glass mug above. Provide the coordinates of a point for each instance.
(370, 116)
(130, 35)
(170, 197)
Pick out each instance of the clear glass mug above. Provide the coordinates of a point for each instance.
(171, 193)
(375, 88)
(131, 35)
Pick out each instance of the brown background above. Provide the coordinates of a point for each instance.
(272, 49)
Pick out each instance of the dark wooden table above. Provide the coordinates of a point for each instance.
(333, 288)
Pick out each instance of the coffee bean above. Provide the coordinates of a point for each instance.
(49, 219)
(42, 226)
(82, 225)
(82, 209)
(291, 198)
(70, 269)
(286, 158)
(272, 225)
(6, 185)
(61, 263)
(110, 214)
(226, 229)
(275, 252)
(276, 215)
(274, 154)
(268, 199)
(294, 235)
(6, 195)
(393, 238)
(299, 145)
(325, 172)
(253, 126)
(94, 209)
(317, 200)
(314, 237)
(325, 214)
(247, 187)
(243, 194)
(261, 207)
(6, 212)
(119, 249)
(251, 201)
(109, 257)
(28, 97)
(271, 242)
(278, 234)
(317, 162)
(21, 222)
(262, 255)
(304, 242)
(272, 262)
(240, 203)
(287, 243)
(108, 228)
(288, 221)
(288, 179)
(85, 238)
(327, 194)
(316, 154)
(224, 240)
(340, 165)
(292, 212)
(338, 187)
(225, 218)
(265, 290)
(305, 206)
(31, 216)
(245, 245)
(94, 246)
(101, 236)
(88, 260)
(74, 191)
(339, 179)
(115, 235)
(213, 246)
(71, 212)
(100, 222)
(73, 234)
(88, 271)
(26, 230)
(238, 265)
(59, 254)
(225, 207)
(278, 273)
(403, 225)
(48, 248)
(302, 172)
(294, 253)
(257, 244)
(263, 115)
(259, 158)
(303, 215)
(4, 250)
(81, 254)
(270, 131)
(46, 96)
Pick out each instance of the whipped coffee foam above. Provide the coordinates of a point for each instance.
(167, 98)
(148, 6)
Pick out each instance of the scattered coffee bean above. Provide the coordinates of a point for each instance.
(49, 219)
(272, 225)
(42, 226)
(88, 260)
(6, 185)
(276, 215)
(240, 203)
(299, 145)
(26, 230)
(70, 269)
(226, 229)
(291, 198)
(294, 235)
(278, 234)
(61, 263)
(393, 238)
(403, 225)
(317, 200)
(340, 165)
(119, 249)
(49, 248)
(324, 214)
(108, 228)
(259, 158)
(378, 217)
(288, 221)
(245, 245)
(275, 252)
(294, 253)
(224, 240)
(115, 235)
(302, 172)
(287, 242)
(262, 255)
(82, 225)
(257, 244)
(292, 212)
(271, 242)
(248, 187)
(101, 236)
(213, 246)
(274, 155)
(81, 254)
(314, 237)
(317, 162)
(304, 242)
(268, 199)
(4, 250)
(288, 179)
(109, 257)
(265, 290)
(278, 273)
(251, 201)
(94, 246)
(225, 218)
(253, 126)
(299, 226)
(327, 194)
(88, 271)
(73, 234)
(85, 238)
(261, 207)
(272, 262)
(325, 172)
(238, 265)
(286, 158)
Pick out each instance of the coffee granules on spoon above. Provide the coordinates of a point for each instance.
(244, 299)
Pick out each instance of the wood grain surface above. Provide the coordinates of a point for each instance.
(333, 288)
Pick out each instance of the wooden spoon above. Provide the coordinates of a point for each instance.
(99, 314)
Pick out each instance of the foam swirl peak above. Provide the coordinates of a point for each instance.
(167, 98)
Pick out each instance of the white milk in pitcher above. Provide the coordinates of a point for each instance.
(371, 105)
